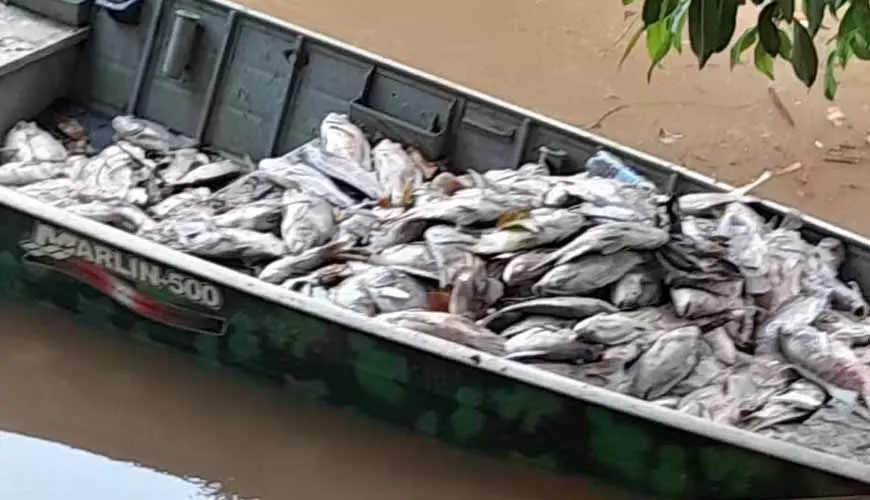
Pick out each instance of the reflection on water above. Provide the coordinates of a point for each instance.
(109, 395)
(45, 470)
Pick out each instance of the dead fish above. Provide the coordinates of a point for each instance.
(699, 228)
(747, 249)
(829, 430)
(849, 297)
(342, 138)
(826, 361)
(472, 290)
(448, 326)
(613, 213)
(852, 331)
(447, 183)
(800, 311)
(261, 215)
(542, 226)
(721, 345)
(291, 174)
(114, 213)
(353, 294)
(611, 329)
(559, 307)
(608, 239)
(587, 274)
(307, 222)
(396, 172)
(300, 264)
(548, 343)
(50, 190)
(28, 143)
(341, 169)
(712, 403)
(210, 172)
(148, 135)
(392, 290)
(694, 303)
(524, 268)
(246, 189)
(795, 403)
(535, 321)
(473, 206)
(701, 203)
(449, 248)
(207, 240)
(27, 172)
(182, 161)
(412, 258)
(690, 262)
(356, 226)
(180, 202)
(707, 371)
(639, 288)
(669, 360)
(119, 171)
(832, 252)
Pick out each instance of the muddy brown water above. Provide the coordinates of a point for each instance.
(94, 415)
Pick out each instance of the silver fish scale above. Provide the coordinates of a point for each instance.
(696, 303)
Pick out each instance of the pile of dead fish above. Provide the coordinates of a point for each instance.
(693, 302)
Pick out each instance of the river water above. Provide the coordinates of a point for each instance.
(94, 415)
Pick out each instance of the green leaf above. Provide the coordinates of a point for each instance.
(784, 45)
(768, 35)
(658, 44)
(763, 61)
(631, 43)
(677, 25)
(856, 20)
(815, 12)
(804, 59)
(711, 25)
(746, 40)
(626, 3)
(830, 78)
(651, 11)
(860, 45)
(844, 53)
(728, 15)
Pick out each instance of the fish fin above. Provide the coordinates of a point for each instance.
(408, 195)
(514, 219)
(478, 179)
(428, 168)
(525, 355)
(438, 301)
(791, 219)
(249, 162)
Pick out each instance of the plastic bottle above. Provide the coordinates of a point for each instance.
(606, 164)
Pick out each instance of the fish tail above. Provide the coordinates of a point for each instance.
(408, 194)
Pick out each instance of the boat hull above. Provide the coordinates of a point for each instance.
(41, 262)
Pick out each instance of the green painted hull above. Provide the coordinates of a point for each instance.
(453, 402)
